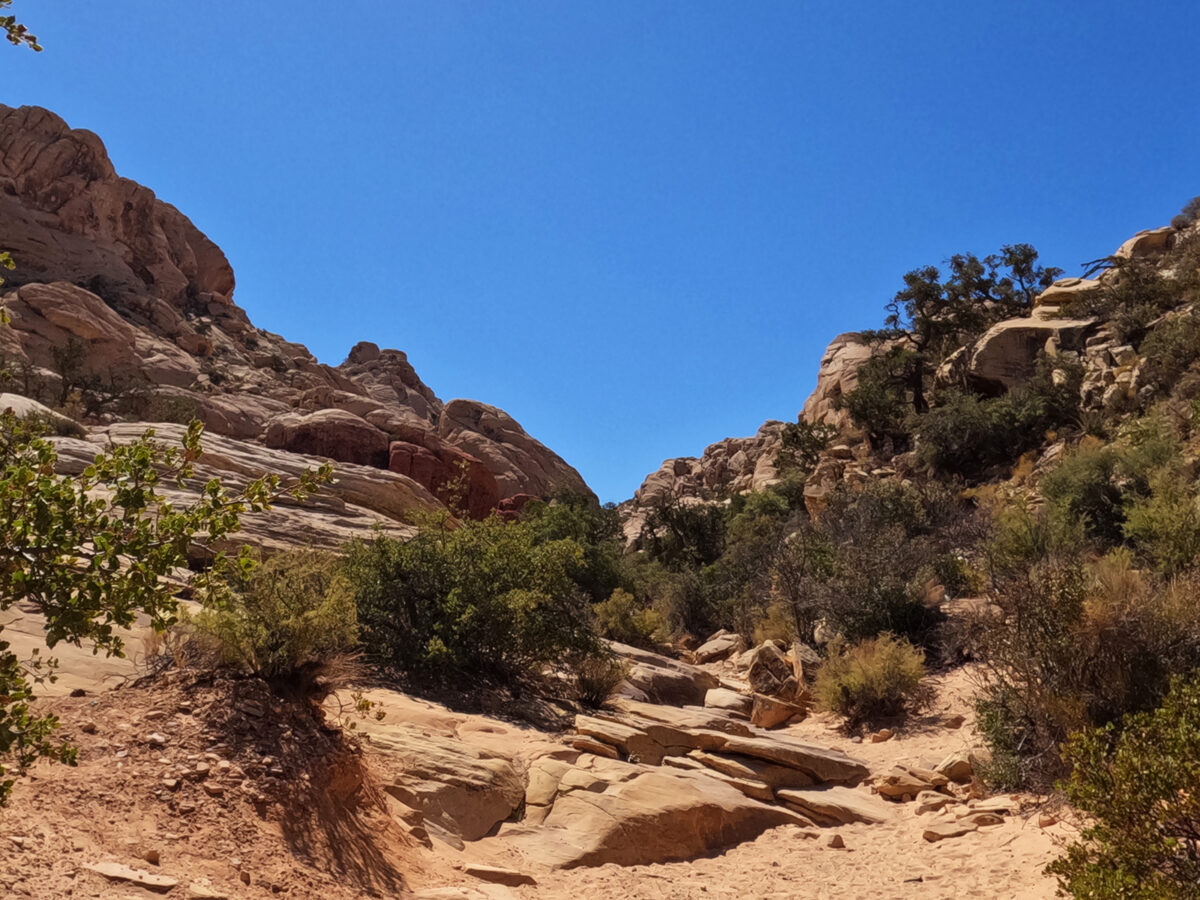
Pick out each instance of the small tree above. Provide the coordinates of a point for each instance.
(89, 552)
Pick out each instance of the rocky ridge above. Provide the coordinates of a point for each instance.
(122, 310)
(999, 360)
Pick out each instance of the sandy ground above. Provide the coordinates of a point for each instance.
(116, 806)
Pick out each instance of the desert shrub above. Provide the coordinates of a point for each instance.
(286, 619)
(595, 679)
(802, 444)
(891, 540)
(91, 553)
(1170, 348)
(1165, 526)
(881, 677)
(621, 618)
(1097, 484)
(1076, 645)
(1139, 783)
(485, 599)
(1189, 214)
(966, 435)
(684, 535)
(1084, 488)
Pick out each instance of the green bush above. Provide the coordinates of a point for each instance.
(1165, 526)
(621, 618)
(965, 434)
(286, 619)
(891, 540)
(595, 528)
(463, 601)
(882, 677)
(1169, 350)
(1140, 785)
(882, 403)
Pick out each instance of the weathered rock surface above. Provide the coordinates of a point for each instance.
(661, 679)
(118, 294)
(837, 376)
(605, 811)
(1006, 355)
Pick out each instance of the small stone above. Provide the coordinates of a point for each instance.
(883, 734)
(955, 721)
(88, 727)
(151, 856)
(856, 740)
(835, 841)
(224, 766)
(202, 769)
(244, 877)
(118, 872)
(942, 830)
(153, 714)
(1045, 820)
(156, 739)
(121, 754)
(170, 784)
(187, 807)
(213, 790)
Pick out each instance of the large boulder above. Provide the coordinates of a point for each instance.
(334, 433)
(1151, 242)
(452, 475)
(520, 464)
(771, 672)
(661, 679)
(1006, 355)
(603, 811)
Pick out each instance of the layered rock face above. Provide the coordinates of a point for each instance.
(119, 304)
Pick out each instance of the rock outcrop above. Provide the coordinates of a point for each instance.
(121, 307)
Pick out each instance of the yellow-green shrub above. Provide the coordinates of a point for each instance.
(880, 677)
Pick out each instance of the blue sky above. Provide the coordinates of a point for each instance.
(633, 225)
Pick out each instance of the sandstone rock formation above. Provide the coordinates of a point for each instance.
(122, 308)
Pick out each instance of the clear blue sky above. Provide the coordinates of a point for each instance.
(633, 225)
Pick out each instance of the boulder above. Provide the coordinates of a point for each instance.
(458, 787)
(452, 475)
(333, 433)
(520, 464)
(749, 768)
(605, 811)
(770, 672)
(836, 805)
(958, 766)
(836, 377)
(720, 646)
(665, 680)
(771, 712)
(1151, 242)
(728, 701)
(1006, 355)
